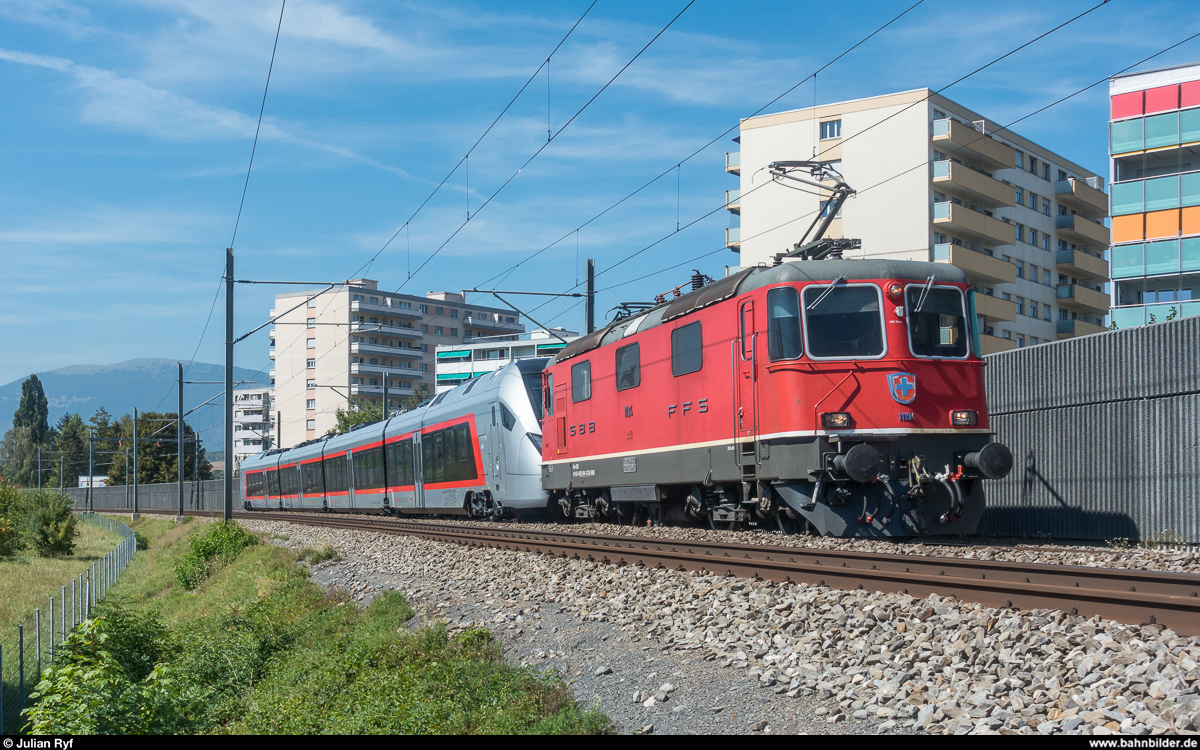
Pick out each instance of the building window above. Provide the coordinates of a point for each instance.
(311, 344)
(1046, 206)
(1020, 160)
(374, 381)
(1020, 305)
(1033, 309)
(312, 383)
(311, 424)
(312, 322)
(437, 331)
(312, 301)
(374, 300)
(1045, 312)
(424, 309)
(1033, 166)
(1020, 197)
(1045, 243)
(454, 332)
(1020, 340)
(1045, 171)
(1033, 201)
(437, 311)
(310, 363)
(1046, 276)
(1020, 268)
(453, 313)
(831, 129)
(311, 403)
(1020, 231)
(1033, 237)
(424, 368)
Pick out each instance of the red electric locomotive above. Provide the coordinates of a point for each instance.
(844, 397)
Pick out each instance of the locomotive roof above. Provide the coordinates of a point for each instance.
(760, 276)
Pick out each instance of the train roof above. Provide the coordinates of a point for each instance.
(760, 276)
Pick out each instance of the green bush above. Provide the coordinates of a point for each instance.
(46, 524)
(10, 508)
(90, 690)
(218, 542)
(141, 541)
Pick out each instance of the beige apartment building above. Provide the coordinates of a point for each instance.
(342, 344)
(936, 181)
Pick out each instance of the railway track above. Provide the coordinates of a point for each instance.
(1132, 596)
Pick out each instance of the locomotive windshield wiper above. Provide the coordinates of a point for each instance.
(924, 293)
(827, 292)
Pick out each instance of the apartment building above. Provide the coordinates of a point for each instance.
(1154, 150)
(457, 364)
(332, 348)
(936, 181)
(253, 428)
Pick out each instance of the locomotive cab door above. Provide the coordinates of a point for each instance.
(745, 387)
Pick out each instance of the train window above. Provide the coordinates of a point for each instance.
(548, 393)
(629, 370)
(939, 327)
(507, 417)
(336, 475)
(289, 481)
(533, 388)
(687, 354)
(273, 483)
(368, 469)
(400, 462)
(313, 480)
(581, 381)
(254, 484)
(843, 321)
(783, 324)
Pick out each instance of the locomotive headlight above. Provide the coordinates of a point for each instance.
(835, 420)
(964, 418)
(895, 290)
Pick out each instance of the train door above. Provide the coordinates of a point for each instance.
(497, 440)
(418, 471)
(746, 387)
(351, 501)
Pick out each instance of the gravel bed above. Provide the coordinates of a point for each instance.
(1129, 558)
(674, 652)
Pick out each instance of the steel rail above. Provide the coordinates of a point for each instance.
(1131, 596)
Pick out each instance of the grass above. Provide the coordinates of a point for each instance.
(256, 648)
(27, 581)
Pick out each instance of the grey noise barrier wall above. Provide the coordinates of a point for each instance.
(204, 495)
(1105, 435)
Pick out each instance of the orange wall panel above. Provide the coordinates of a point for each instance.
(1130, 228)
(1191, 220)
(1161, 224)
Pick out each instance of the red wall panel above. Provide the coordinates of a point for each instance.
(1127, 105)
(1189, 94)
(1162, 99)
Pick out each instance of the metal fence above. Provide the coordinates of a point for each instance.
(1105, 435)
(205, 495)
(27, 649)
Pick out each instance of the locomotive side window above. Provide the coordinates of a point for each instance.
(686, 350)
(581, 381)
(937, 325)
(629, 370)
(843, 321)
(783, 324)
(336, 474)
(548, 393)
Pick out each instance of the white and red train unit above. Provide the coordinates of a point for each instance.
(842, 397)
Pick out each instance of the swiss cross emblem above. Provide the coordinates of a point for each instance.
(903, 386)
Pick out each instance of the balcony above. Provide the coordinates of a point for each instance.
(391, 351)
(377, 390)
(973, 224)
(357, 368)
(995, 307)
(733, 162)
(362, 306)
(412, 333)
(271, 352)
(971, 184)
(1079, 263)
(1071, 328)
(1082, 231)
(977, 266)
(1081, 196)
(733, 201)
(270, 375)
(1082, 299)
(968, 143)
(994, 344)
(733, 239)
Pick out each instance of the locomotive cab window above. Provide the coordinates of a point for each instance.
(629, 370)
(783, 324)
(687, 353)
(843, 321)
(548, 393)
(937, 323)
(581, 381)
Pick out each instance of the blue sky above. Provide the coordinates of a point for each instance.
(128, 128)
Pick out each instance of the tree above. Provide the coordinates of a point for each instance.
(33, 410)
(72, 444)
(18, 457)
(419, 395)
(360, 412)
(157, 457)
